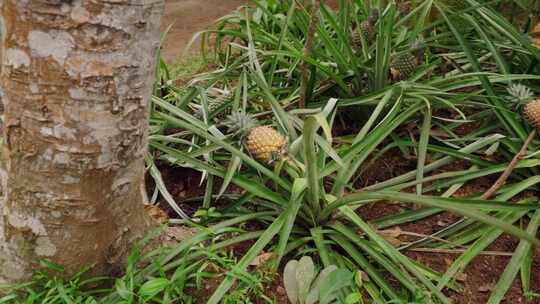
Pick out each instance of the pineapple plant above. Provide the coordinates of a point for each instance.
(365, 29)
(264, 143)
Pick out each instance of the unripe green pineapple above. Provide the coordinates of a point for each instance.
(366, 29)
(263, 142)
(532, 113)
(213, 105)
(402, 66)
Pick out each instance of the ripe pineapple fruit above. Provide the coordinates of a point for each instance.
(263, 142)
(532, 113)
(366, 29)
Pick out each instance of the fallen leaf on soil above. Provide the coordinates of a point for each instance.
(394, 232)
(157, 214)
(391, 235)
(179, 233)
(443, 223)
(261, 259)
(486, 288)
(462, 277)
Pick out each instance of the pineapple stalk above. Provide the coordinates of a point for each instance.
(531, 112)
(506, 174)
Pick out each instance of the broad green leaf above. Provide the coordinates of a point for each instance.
(153, 287)
(305, 274)
(290, 282)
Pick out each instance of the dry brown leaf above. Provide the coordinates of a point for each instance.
(391, 236)
(157, 214)
(393, 232)
(461, 277)
(261, 259)
(536, 35)
(486, 287)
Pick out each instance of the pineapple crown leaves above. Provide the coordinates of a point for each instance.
(239, 123)
(304, 286)
(519, 93)
(418, 48)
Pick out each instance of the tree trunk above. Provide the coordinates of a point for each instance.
(76, 76)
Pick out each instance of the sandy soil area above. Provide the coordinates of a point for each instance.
(189, 17)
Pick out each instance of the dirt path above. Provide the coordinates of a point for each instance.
(189, 17)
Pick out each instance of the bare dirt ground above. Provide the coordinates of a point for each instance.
(189, 17)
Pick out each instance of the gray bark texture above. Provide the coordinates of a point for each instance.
(75, 82)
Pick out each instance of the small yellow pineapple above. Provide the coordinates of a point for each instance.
(263, 142)
(532, 113)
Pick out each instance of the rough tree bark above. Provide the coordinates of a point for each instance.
(75, 81)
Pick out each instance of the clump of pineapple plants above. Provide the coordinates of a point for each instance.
(292, 174)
